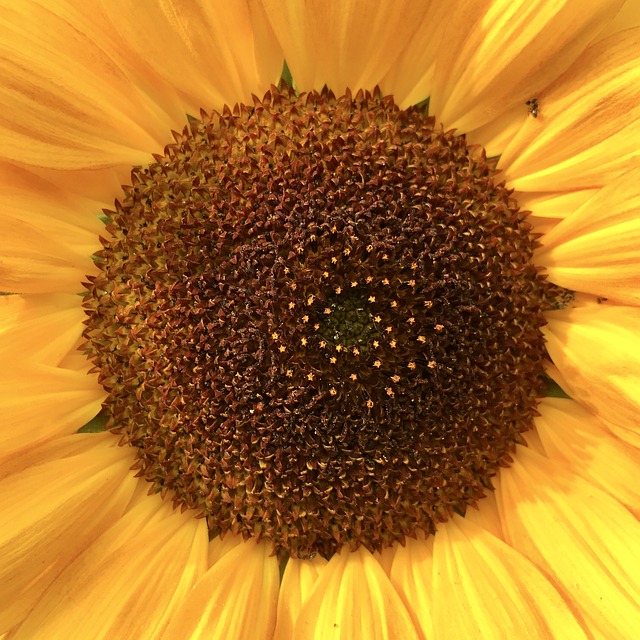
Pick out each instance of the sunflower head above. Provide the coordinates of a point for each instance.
(318, 321)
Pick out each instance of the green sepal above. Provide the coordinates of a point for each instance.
(553, 390)
(95, 425)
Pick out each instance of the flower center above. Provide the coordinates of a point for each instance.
(317, 321)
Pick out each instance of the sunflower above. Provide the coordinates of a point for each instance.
(339, 347)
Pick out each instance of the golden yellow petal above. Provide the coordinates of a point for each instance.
(588, 128)
(55, 449)
(628, 17)
(410, 79)
(385, 557)
(297, 582)
(128, 583)
(580, 536)
(30, 197)
(235, 599)
(627, 436)
(482, 588)
(39, 328)
(64, 496)
(486, 514)
(64, 102)
(553, 205)
(495, 56)
(343, 44)
(212, 53)
(353, 598)
(412, 576)
(39, 402)
(219, 547)
(34, 258)
(596, 348)
(98, 187)
(496, 134)
(596, 249)
(571, 434)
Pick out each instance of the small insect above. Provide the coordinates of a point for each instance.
(533, 107)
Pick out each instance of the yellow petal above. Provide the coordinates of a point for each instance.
(486, 514)
(41, 329)
(219, 547)
(128, 582)
(212, 53)
(64, 103)
(571, 434)
(343, 44)
(412, 576)
(496, 134)
(498, 55)
(553, 205)
(35, 259)
(297, 582)
(25, 194)
(98, 188)
(628, 17)
(580, 536)
(596, 249)
(353, 598)
(58, 448)
(629, 437)
(410, 80)
(38, 402)
(482, 588)
(66, 494)
(588, 128)
(596, 347)
(385, 557)
(235, 599)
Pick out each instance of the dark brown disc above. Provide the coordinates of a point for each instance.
(318, 321)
